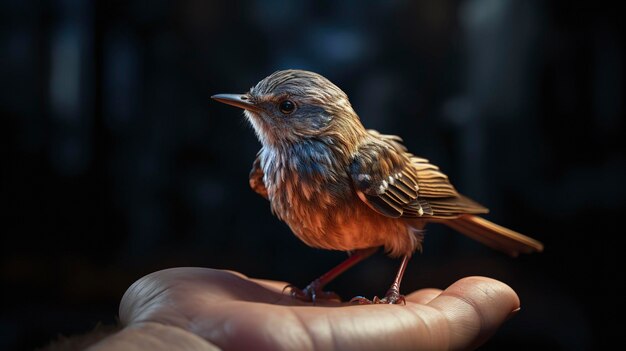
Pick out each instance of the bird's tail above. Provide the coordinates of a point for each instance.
(494, 236)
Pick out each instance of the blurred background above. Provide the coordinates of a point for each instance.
(115, 162)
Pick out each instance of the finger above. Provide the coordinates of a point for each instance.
(187, 285)
(475, 307)
(355, 327)
(423, 296)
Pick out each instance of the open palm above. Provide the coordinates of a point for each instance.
(205, 309)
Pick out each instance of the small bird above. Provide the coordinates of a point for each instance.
(342, 187)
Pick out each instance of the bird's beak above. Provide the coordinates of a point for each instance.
(238, 100)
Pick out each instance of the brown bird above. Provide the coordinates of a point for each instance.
(341, 187)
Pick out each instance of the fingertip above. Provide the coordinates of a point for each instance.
(488, 287)
(475, 307)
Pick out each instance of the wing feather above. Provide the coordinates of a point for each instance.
(396, 183)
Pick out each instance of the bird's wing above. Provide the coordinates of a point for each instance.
(395, 183)
(439, 193)
(256, 178)
(385, 180)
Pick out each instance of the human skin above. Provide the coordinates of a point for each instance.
(208, 309)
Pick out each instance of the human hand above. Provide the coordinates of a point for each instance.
(207, 309)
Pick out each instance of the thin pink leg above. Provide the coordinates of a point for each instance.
(314, 290)
(393, 295)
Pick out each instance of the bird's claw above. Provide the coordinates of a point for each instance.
(391, 298)
(360, 300)
(311, 293)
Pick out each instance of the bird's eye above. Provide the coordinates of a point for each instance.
(287, 107)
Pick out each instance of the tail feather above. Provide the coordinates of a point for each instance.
(494, 236)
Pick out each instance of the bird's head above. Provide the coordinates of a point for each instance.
(290, 106)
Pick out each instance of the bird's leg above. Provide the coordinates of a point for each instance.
(393, 295)
(314, 292)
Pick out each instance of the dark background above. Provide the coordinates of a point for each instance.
(115, 163)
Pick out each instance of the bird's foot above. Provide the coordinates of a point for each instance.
(393, 297)
(312, 293)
